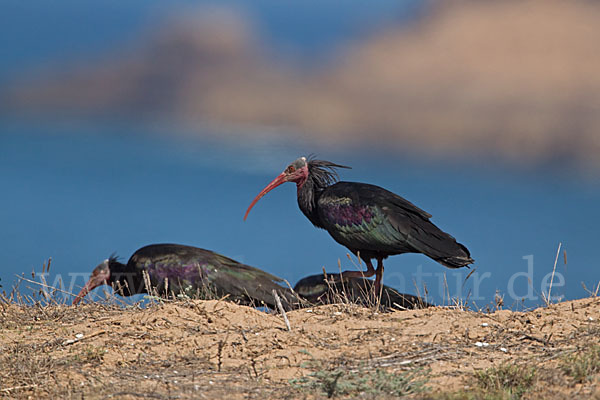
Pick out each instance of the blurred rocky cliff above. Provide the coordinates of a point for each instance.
(514, 80)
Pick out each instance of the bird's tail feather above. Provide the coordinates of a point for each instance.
(455, 262)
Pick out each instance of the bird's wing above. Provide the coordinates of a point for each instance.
(170, 268)
(367, 217)
(245, 282)
(206, 274)
(375, 221)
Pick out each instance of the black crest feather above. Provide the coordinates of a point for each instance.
(323, 173)
(113, 258)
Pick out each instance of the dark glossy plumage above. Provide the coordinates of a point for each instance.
(316, 290)
(375, 222)
(175, 269)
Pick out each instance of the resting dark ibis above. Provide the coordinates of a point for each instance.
(316, 290)
(369, 220)
(175, 268)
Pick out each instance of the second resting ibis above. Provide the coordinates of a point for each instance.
(174, 269)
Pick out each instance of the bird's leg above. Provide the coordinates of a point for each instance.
(378, 277)
(359, 274)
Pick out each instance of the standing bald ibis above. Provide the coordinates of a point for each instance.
(175, 269)
(369, 220)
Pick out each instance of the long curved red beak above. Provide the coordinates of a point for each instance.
(86, 289)
(89, 286)
(281, 178)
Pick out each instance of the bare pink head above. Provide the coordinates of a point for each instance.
(296, 172)
(100, 276)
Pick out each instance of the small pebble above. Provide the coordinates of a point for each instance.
(484, 324)
(79, 335)
(337, 313)
(481, 344)
(309, 310)
(211, 383)
(503, 349)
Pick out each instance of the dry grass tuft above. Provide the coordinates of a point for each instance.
(582, 366)
(507, 380)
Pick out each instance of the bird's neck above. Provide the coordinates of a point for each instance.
(308, 195)
(129, 278)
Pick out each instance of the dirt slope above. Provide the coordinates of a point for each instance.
(213, 349)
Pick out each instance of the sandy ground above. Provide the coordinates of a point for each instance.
(216, 349)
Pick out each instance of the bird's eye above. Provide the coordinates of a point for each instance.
(290, 169)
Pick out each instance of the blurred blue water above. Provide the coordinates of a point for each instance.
(79, 194)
